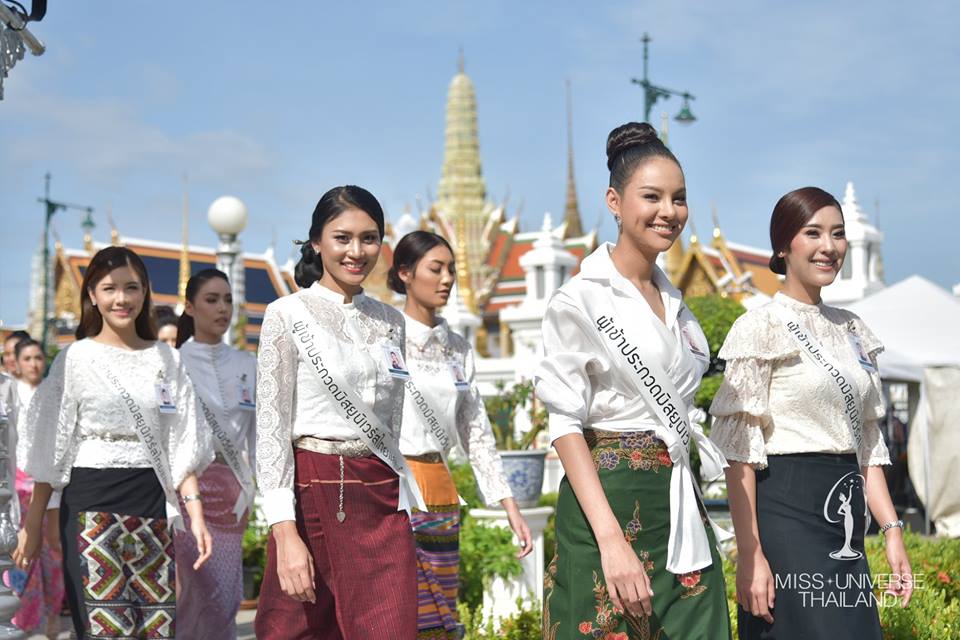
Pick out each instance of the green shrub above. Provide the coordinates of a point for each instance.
(523, 625)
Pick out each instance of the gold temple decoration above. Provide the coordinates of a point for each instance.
(184, 275)
(571, 210)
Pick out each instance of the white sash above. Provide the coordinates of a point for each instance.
(216, 417)
(148, 430)
(688, 548)
(309, 338)
(843, 384)
(444, 436)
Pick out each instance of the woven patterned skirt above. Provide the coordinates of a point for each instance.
(437, 534)
(634, 470)
(209, 598)
(118, 554)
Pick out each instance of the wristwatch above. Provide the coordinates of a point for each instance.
(891, 525)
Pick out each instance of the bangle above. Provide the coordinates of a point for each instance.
(192, 497)
(891, 525)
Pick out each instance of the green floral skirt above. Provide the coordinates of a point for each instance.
(634, 470)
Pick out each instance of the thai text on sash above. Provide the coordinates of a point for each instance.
(232, 456)
(429, 417)
(675, 417)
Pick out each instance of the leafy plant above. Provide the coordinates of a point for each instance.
(502, 411)
(254, 549)
(523, 625)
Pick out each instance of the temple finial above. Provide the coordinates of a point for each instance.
(460, 63)
(571, 210)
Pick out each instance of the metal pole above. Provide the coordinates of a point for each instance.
(48, 213)
(647, 101)
(226, 257)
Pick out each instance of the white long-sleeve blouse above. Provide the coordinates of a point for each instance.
(430, 353)
(76, 420)
(226, 374)
(772, 401)
(291, 400)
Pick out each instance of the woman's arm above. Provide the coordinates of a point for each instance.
(198, 526)
(756, 589)
(626, 579)
(878, 498)
(30, 538)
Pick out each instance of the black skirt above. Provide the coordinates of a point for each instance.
(811, 518)
(118, 558)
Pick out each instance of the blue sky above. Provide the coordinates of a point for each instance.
(276, 102)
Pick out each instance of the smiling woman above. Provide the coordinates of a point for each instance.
(340, 559)
(93, 433)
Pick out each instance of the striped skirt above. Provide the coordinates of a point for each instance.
(437, 534)
(634, 470)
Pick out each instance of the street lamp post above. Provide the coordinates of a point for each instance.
(50, 208)
(228, 217)
(652, 92)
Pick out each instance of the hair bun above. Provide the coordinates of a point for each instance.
(629, 135)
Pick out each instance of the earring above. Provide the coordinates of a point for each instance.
(619, 222)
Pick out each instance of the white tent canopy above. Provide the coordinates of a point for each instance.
(919, 324)
(917, 321)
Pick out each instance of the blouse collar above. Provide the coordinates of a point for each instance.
(420, 334)
(599, 266)
(796, 305)
(334, 296)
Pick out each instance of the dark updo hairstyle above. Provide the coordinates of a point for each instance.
(630, 145)
(102, 263)
(792, 213)
(334, 202)
(185, 326)
(409, 252)
(26, 343)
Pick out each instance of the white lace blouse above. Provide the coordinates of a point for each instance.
(772, 401)
(430, 352)
(76, 420)
(226, 374)
(291, 400)
(9, 412)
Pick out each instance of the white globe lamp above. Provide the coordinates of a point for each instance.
(227, 215)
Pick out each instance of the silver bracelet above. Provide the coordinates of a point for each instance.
(192, 497)
(891, 525)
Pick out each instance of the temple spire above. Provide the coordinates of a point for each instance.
(571, 211)
(184, 275)
(461, 194)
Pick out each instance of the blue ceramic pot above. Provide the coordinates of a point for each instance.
(524, 471)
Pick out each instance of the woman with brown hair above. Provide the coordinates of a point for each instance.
(636, 556)
(114, 428)
(796, 416)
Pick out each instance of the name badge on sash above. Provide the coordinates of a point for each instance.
(165, 398)
(245, 395)
(395, 364)
(459, 376)
(862, 356)
(691, 343)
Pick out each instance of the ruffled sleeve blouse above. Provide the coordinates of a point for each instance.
(772, 401)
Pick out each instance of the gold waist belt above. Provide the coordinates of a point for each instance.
(346, 448)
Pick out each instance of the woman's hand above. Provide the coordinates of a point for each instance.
(198, 527)
(53, 528)
(627, 581)
(29, 541)
(901, 575)
(756, 590)
(519, 526)
(294, 562)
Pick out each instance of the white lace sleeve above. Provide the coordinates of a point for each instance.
(47, 444)
(191, 444)
(476, 434)
(276, 380)
(563, 379)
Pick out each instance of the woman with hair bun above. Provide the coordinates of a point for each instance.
(224, 378)
(797, 416)
(336, 489)
(623, 357)
(114, 428)
(442, 410)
